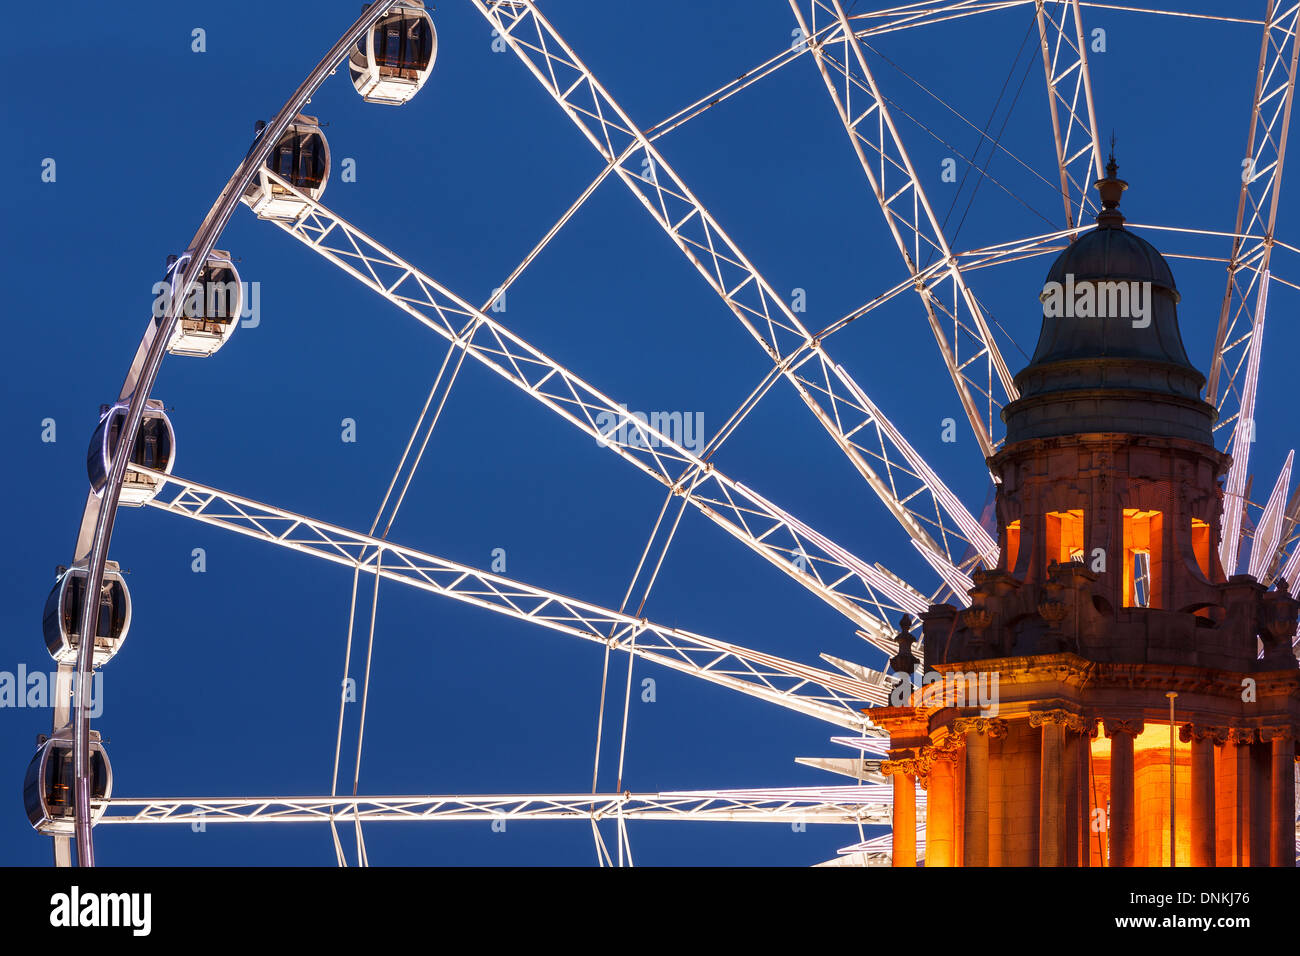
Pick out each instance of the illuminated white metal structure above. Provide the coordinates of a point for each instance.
(282, 180)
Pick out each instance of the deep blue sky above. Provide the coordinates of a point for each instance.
(229, 681)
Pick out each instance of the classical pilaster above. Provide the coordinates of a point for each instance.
(941, 802)
(1122, 832)
(977, 732)
(904, 771)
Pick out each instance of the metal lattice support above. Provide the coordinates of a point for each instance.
(741, 512)
(975, 364)
(1069, 94)
(809, 690)
(733, 277)
(868, 805)
(1234, 367)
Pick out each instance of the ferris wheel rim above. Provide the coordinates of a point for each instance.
(100, 512)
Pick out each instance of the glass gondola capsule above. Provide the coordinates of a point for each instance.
(392, 61)
(62, 620)
(300, 158)
(155, 448)
(49, 785)
(211, 311)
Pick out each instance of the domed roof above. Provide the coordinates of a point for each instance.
(1112, 252)
(1110, 357)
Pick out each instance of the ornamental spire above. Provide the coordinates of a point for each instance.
(1110, 190)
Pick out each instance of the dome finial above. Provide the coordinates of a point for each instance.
(1110, 189)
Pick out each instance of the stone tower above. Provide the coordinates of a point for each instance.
(1109, 596)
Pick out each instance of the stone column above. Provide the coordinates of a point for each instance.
(941, 801)
(1202, 792)
(1282, 808)
(1122, 833)
(977, 731)
(1051, 779)
(903, 770)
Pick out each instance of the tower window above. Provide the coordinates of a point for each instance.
(1142, 557)
(1065, 535)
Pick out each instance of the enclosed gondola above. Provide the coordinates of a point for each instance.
(155, 448)
(393, 60)
(300, 158)
(210, 312)
(62, 620)
(48, 789)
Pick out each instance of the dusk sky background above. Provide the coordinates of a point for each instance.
(229, 681)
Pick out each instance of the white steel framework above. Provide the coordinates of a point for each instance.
(809, 690)
(868, 805)
(767, 317)
(1238, 346)
(941, 528)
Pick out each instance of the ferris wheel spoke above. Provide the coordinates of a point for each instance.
(868, 804)
(1234, 367)
(1291, 566)
(1276, 521)
(809, 690)
(647, 444)
(663, 193)
(974, 362)
(1069, 94)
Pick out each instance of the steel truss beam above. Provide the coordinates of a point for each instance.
(1065, 66)
(869, 805)
(1234, 367)
(832, 697)
(750, 297)
(849, 585)
(1270, 532)
(975, 364)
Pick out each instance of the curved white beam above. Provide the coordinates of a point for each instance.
(97, 520)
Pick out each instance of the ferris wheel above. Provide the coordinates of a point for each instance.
(390, 53)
